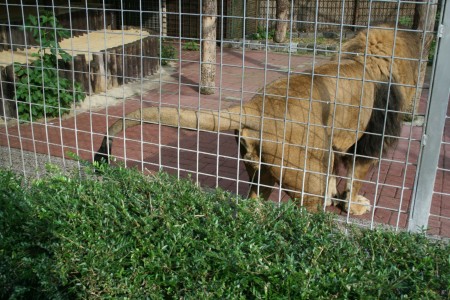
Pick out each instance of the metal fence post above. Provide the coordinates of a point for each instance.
(435, 121)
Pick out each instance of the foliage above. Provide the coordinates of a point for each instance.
(406, 21)
(191, 46)
(120, 234)
(262, 34)
(432, 51)
(168, 53)
(40, 91)
(437, 21)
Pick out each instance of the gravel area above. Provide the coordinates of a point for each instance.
(30, 164)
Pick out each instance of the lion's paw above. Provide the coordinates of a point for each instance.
(328, 201)
(359, 206)
(332, 191)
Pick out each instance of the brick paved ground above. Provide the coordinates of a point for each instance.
(210, 158)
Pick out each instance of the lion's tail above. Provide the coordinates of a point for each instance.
(235, 117)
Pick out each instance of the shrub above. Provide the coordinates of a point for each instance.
(262, 34)
(191, 46)
(406, 21)
(167, 53)
(40, 91)
(120, 234)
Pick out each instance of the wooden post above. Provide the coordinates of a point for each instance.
(119, 62)
(113, 67)
(65, 70)
(81, 72)
(70, 70)
(164, 18)
(112, 19)
(355, 13)
(154, 62)
(282, 15)
(148, 53)
(144, 56)
(420, 16)
(208, 63)
(3, 39)
(77, 69)
(98, 76)
(124, 58)
(135, 60)
(8, 108)
(127, 63)
(424, 19)
(107, 56)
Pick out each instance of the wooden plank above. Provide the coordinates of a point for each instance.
(8, 106)
(65, 70)
(119, 63)
(355, 13)
(136, 61)
(107, 68)
(149, 55)
(152, 53)
(84, 74)
(3, 38)
(113, 67)
(124, 64)
(145, 59)
(98, 73)
(129, 63)
(78, 69)
(130, 60)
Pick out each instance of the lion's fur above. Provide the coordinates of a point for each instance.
(295, 126)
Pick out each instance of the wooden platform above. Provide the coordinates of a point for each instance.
(101, 59)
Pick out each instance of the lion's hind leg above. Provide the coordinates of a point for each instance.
(262, 181)
(332, 192)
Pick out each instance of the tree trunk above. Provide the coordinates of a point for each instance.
(425, 23)
(208, 68)
(282, 16)
(164, 18)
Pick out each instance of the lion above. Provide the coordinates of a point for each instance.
(299, 128)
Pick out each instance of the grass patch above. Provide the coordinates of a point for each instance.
(191, 46)
(123, 235)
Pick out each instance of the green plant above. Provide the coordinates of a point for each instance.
(406, 21)
(125, 235)
(191, 46)
(168, 53)
(432, 51)
(262, 34)
(40, 91)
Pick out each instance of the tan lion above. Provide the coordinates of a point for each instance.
(294, 134)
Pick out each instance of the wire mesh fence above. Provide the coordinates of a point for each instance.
(335, 115)
(439, 214)
(330, 14)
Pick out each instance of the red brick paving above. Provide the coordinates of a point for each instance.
(210, 158)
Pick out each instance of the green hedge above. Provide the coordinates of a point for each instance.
(120, 234)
